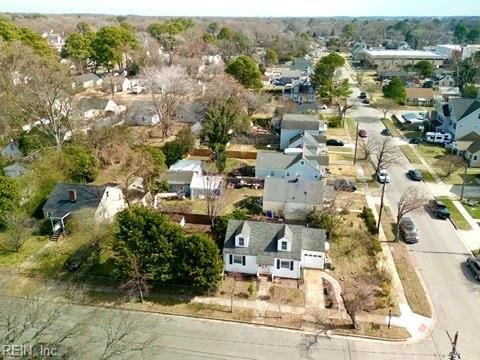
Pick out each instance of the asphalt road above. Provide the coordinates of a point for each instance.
(439, 255)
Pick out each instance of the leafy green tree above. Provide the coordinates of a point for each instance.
(324, 74)
(460, 32)
(271, 57)
(77, 47)
(197, 262)
(225, 34)
(424, 68)
(111, 42)
(220, 226)
(9, 32)
(84, 28)
(470, 91)
(395, 90)
(157, 162)
(186, 140)
(173, 152)
(80, 165)
(208, 38)
(468, 70)
(473, 36)
(246, 71)
(145, 234)
(169, 27)
(9, 198)
(348, 31)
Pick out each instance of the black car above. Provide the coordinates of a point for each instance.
(415, 141)
(365, 101)
(408, 231)
(415, 175)
(473, 264)
(386, 132)
(440, 210)
(335, 142)
(362, 95)
(344, 185)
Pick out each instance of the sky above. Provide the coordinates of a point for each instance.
(263, 8)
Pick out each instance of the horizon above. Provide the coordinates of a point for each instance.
(251, 8)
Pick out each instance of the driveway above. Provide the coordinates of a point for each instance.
(313, 288)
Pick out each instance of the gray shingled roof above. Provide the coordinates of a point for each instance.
(463, 107)
(276, 160)
(475, 147)
(301, 121)
(85, 104)
(306, 136)
(179, 177)
(264, 236)
(86, 77)
(298, 191)
(59, 205)
(140, 108)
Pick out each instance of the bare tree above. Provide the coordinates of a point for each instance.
(450, 163)
(358, 294)
(17, 231)
(342, 107)
(255, 101)
(412, 199)
(359, 76)
(331, 216)
(384, 153)
(385, 105)
(214, 197)
(138, 283)
(47, 99)
(168, 86)
(368, 147)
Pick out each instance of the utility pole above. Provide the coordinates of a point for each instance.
(381, 207)
(356, 144)
(464, 179)
(454, 355)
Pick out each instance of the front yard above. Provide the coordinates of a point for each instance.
(457, 217)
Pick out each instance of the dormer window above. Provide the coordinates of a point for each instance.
(284, 245)
(302, 162)
(241, 241)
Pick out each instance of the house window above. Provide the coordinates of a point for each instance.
(302, 162)
(241, 241)
(284, 245)
(272, 173)
(288, 174)
(238, 259)
(475, 157)
(285, 264)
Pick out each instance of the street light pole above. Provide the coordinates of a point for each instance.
(381, 207)
(454, 355)
(356, 144)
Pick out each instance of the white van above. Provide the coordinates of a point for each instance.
(438, 137)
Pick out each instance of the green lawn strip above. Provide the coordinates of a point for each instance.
(31, 246)
(391, 126)
(460, 221)
(427, 176)
(410, 154)
(414, 290)
(474, 211)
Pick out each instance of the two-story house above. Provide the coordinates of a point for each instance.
(293, 124)
(309, 164)
(276, 250)
(459, 117)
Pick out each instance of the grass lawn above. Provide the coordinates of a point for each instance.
(340, 158)
(241, 288)
(287, 295)
(391, 126)
(410, 154)
(414, 290)
(31, 246)
(388, 223)
(457, 217)
(474, 211)
(351, 126)
(427, 176)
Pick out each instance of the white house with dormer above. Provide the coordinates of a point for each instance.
(275, 250)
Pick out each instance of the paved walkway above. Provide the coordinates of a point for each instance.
(314, 297)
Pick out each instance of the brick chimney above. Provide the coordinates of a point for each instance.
(72, 196)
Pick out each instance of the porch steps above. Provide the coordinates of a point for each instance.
(55, 236)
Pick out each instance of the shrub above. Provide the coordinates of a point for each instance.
(370, 222)
(335, 122)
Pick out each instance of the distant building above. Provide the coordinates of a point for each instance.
(14, 170)
(383, 60)
(422, 97)
(87, 81)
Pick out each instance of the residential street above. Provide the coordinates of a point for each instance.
(440, 256)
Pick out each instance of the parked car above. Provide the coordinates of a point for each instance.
(365, 101)
(440, 210)
(386, 132)
(473, 264)
(362, 133)
(408, 231)
(415, 141)
(323, 107)
(415, 175)
(344, 185)
(335, 142)
(383, 176)
(362, 95)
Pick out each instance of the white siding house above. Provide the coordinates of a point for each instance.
(275, 250)
(459, 117)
